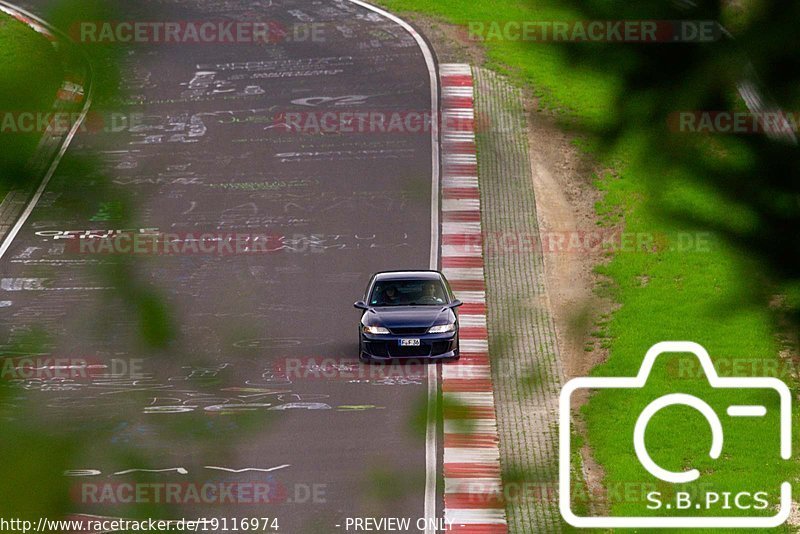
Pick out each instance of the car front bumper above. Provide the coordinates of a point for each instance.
(387, 347)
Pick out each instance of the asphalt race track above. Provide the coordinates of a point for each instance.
(239, 387)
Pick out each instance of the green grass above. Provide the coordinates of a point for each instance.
(30, 69)
(687, 286)
(701, 294)
(544, 68)
(30, 75)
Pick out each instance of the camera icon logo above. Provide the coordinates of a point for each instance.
(658, 472)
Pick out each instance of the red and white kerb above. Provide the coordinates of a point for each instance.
(472, 481)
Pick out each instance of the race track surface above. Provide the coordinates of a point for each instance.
(206, 150)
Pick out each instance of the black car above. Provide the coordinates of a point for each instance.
(408, 314)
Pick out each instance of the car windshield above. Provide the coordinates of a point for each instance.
(408, 293)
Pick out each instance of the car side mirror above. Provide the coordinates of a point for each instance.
(456, 303)
(361, 305)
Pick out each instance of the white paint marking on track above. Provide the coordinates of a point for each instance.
(463, 92)
(431, 458)
(461, 204)
(463, 273)
(462, 251)
(465, 319)
(471, 297)
(475, 345)
(461, 158)
(480, 516)
(471, 455)
(458, 113)
(459, 137)
(466, 371)
(461, 228)
(473, 485)
(248, 469)
(481, 399)
(461, 181)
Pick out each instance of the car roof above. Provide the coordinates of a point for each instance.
(408, 275)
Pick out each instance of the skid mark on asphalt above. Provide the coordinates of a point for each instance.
(195, 390)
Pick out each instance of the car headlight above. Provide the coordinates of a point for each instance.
(376, 330)
(442, 328)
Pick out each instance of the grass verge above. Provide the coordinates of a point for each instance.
(30, 75)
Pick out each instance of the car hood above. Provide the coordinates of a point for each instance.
(408, 316)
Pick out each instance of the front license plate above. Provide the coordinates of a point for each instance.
(409, 342)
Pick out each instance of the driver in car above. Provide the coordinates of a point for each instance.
(391, 296)
(430, 294)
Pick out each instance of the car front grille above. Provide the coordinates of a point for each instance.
(405, 331)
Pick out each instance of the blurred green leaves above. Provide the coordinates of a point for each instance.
(755, 178)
